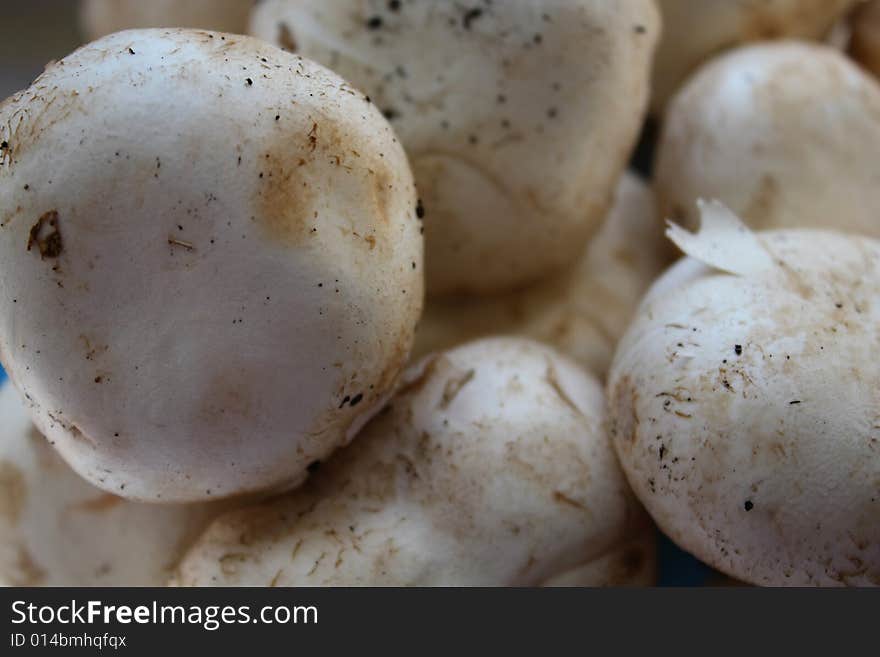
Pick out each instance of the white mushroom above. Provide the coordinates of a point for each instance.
(58, 530)
(487, 100)
(784, 134)
(693, 32)
(211, 262)
(490, 467)
(101, 17)
(744, 403)
(582, 312)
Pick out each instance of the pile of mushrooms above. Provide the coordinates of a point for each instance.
(369, 297)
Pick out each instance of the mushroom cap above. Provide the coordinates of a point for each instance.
(694, 32)
(101, 17)
(764, 129)
(211, 262)
(58, 530)
(744, 403)
(864, 45)
(583, 311)
(491, 466)
(486, 101)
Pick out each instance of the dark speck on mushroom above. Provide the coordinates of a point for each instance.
(420, 209)
(748, 506)
(737, 349)
(470, 16)
(249, 82)
(374, 23)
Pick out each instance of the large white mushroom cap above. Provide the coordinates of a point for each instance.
(695, 31)
(58, 530)
(491, 466)
(583, 311)
(487, 99)
(745, 403)
(211, 262)
(101, 17)
(784, 134)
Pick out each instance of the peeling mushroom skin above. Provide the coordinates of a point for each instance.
(490, 467)
(764, 129)
(744, 404)
(583, 311)
(487, 98)
(694, 32)
(211, 262)
(101, 17)
(58, 530)
(864, 45)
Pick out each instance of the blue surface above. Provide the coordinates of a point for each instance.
(2, 376)
(678, 568)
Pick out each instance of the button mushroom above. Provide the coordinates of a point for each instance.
(58, 530)
(744, 403)
(486, 101)
(490, 467)
(101, 17)
(211, 262)
(780, 133)
(693, 32)
(583, 311)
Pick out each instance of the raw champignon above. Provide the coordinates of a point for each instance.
(487, 101)
(783, 134)
(745, 403)
(582, 312)
(491, 466)
(211, 262)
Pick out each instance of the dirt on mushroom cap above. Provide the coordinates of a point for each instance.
(480, 471)
(486, 101)
(744, 410)
(246, 261)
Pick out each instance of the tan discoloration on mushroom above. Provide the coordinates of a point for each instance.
(486, 101)
(744, 404)
(505, 484)
(253, 213)
(13, 492)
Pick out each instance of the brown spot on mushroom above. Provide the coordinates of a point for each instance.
(552, 378)
(24, 571)
(285, 37)
(46, 235)
(562, 498)
(453, 387)
(285, 199)
(98, 504)
(625, 418)
(13, 492)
